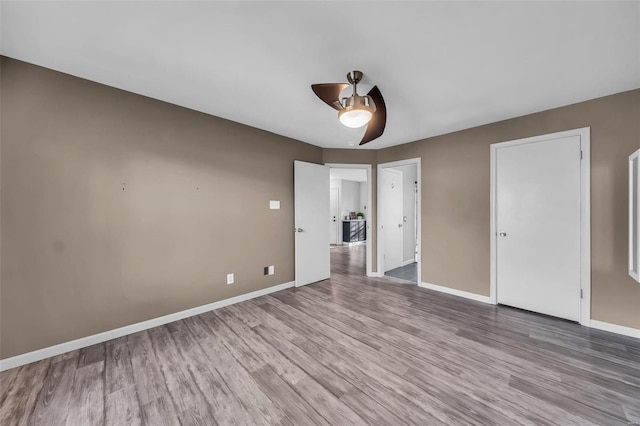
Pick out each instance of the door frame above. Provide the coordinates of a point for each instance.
(367, 168)
(337, 223)
(585, 213)
(380, 236)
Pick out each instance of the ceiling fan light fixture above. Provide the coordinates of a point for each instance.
(356, 111)
(355, 118)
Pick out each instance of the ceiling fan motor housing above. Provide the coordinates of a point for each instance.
(358, 102)
(356, 111)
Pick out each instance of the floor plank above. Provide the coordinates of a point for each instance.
(150, 384)
(86, 403)
(297, 409)
(118, 366)
(159, 412)
(22, 397)
(53, 403)
(123, 408)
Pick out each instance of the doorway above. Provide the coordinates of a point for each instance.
(540, 224)
(350, 184)
(399, 220)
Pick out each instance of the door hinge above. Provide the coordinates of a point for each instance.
(581, 294)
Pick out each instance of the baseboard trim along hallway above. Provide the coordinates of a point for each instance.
(615, 328)
(40, 354)
(453, 291)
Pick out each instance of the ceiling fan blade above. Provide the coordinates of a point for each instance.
(330, 93)
(376, 125)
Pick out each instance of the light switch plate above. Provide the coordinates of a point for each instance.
(272, 270)
(274, 205)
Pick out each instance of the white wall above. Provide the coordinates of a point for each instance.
(363, 200)
(349, 197)
(410, 175)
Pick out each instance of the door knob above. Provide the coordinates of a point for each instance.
(503, 234)
(299, 229)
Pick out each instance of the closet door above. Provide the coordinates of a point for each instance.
(538, 224)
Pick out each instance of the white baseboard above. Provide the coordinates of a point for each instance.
(605, 326)
(615, 328)
(408, 262)
(29, 357)
(453, 291)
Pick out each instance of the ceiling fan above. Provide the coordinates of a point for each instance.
(355, 110)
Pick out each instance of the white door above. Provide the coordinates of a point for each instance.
(334, 217)
(311, 191)
(391, 205)
(538, 226)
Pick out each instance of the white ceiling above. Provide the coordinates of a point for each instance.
(441, 66)
(357, 175)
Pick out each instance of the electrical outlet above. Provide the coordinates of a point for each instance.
(229, 279)
(272, 270)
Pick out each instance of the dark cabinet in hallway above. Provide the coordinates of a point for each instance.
(354, 231)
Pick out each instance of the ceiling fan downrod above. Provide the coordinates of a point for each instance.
(354, 78)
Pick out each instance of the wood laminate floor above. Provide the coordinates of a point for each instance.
(350, 350)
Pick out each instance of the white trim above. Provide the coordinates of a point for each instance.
(585, 224)
(493, 267)
(29, 357)
(408, 262)
(599, 325)
(585, 213)
(453, 291)
(418, 163)
(368, 217)
(634, 234)
(338, 221)
(615, 328)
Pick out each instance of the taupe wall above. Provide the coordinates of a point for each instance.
(81, 255)
(456, 209)
(118, 208)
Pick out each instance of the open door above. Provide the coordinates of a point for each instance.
(311, 191)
